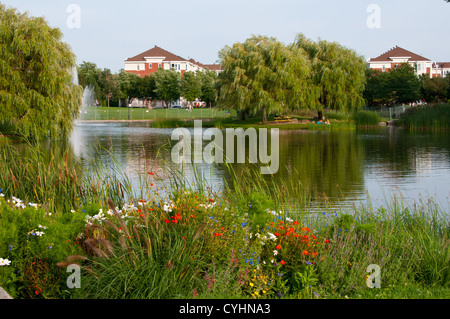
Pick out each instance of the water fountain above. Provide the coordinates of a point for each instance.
(88, 98)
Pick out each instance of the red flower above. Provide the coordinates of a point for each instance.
(282, 262)
(326, 241)
(305, 252)
(151, 173)
(192, 216)
(167, 221)
(150, 209)
(295, 222)
(278, 247)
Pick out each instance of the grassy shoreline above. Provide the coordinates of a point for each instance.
(248, 241)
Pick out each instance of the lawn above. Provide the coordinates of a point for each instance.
(123, 113)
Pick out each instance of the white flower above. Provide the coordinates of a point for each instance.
(72, 211)
(275, 252)
(2, 195)
(39, 233)
(33, 205)
(4, 262)
(42, 227)
(272, 236)
(289, 219)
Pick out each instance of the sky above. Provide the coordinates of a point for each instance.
(109, 32)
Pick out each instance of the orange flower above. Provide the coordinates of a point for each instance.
(305, 252)
(295, 222)
(278, 247)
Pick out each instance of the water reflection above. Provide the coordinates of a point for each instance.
(343, 165)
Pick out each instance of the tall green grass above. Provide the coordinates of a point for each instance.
(366, 118)
(434, 117)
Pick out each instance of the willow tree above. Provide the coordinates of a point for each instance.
(263, 75)
(338, 73)
(37, 94)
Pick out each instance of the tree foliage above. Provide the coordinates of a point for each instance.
(191, 86)
(168, 85)
(399, 85)
(38, 96)
(263, 75)
(337, 72)
(436, 89)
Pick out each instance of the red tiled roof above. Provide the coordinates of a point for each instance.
(443, 65)
(196, 63)
(398, 52)
(156, 52)
(213, 67)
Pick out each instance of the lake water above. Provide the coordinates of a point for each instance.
(343, 165)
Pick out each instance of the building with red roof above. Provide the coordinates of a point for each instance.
(397, 55)
(157, 58)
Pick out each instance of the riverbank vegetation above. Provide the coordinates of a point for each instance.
(187, 240)
(434, 117)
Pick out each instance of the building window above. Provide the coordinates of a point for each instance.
(150, 66)
(384, 68)
(138, 67)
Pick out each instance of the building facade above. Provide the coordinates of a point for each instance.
(397, 55)
(152, 60)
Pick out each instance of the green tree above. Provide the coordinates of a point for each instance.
(38, 96)
(109, 86)
(168, 85)
(403, 84)
(435, 89)
(376, 90)
(191, 86)
(337, 72)
(147, 87)
(208, 89)
(263, 75)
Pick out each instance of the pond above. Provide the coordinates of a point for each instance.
(340, 165)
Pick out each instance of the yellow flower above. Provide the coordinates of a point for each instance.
(256, 293)
(251, 284)
(263, 291)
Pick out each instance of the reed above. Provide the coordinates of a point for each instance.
(432, 117)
